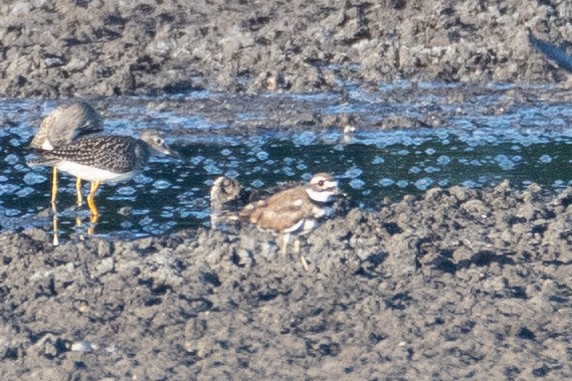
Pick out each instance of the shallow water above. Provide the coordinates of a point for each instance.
(482, 138)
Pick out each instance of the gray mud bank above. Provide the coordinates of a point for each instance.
(94, 47)
(457, 284)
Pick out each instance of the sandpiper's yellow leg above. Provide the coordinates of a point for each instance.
(78, 191)
(90, 201)
(54, 188)
(56, 240)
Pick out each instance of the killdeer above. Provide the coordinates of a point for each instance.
(294, 211)
(101, 159)
(62, 126)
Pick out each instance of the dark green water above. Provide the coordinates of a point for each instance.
(532, 142)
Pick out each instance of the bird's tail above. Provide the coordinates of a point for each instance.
(41, 157)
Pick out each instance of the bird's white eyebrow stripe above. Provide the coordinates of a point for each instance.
(331, 184)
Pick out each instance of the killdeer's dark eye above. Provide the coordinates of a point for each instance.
(321, 183)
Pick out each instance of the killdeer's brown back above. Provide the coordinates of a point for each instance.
(281, 211)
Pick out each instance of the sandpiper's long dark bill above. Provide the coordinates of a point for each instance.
(101, 159)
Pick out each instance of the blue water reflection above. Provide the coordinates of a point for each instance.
(523, 142)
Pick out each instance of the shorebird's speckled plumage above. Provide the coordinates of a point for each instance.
(63, 126)
(223, 191)
(116, 154)
(100, 159)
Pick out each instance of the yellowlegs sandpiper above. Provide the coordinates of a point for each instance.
(101, 159)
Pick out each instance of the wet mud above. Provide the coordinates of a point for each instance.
(458, 283)
(454, 283)
(94, 47)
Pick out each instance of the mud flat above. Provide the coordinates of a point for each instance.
(459, 283)
(94, 47)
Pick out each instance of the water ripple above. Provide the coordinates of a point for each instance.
(479, 144)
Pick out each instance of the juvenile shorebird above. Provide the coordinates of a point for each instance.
(101, 159)
(294, 211)
(223, 191)
(64, 125)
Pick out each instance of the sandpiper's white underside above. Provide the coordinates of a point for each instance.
(88, 173)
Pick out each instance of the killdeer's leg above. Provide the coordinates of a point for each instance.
(90, 200)
(296, 250)
(78, 191)
(304, 263)
(284, 246)
(54, 188)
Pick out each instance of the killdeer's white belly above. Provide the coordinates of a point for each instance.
(294, 227)
(309, 224)
(88, 173)
(303, 226)
(321, 211)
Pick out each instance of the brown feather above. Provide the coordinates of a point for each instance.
(280, 211)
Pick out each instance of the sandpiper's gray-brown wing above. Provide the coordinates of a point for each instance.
(119, 154)
(66, 123)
